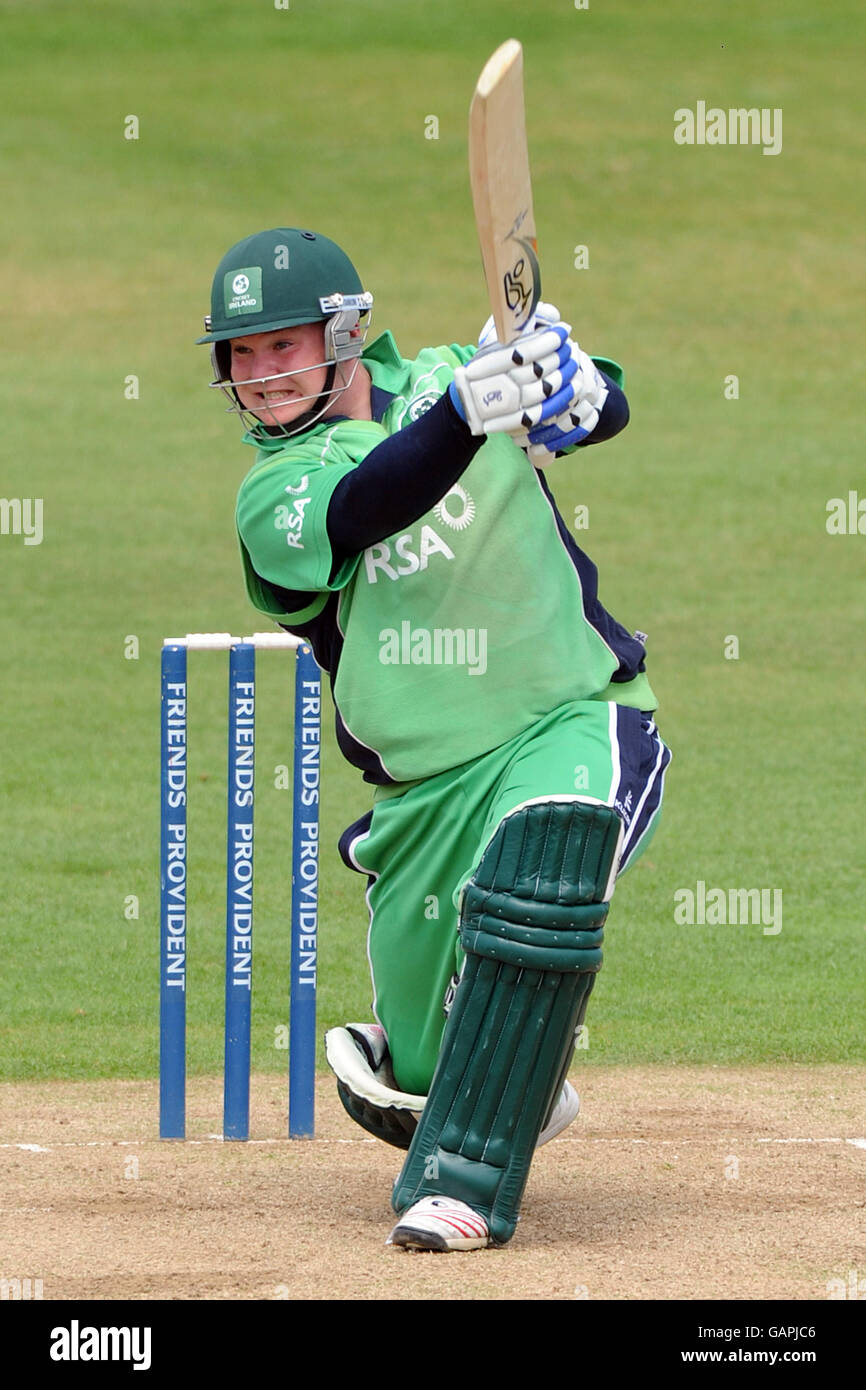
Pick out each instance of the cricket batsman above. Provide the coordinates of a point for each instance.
(504, 720)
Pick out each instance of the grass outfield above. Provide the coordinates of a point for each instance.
(707, 518)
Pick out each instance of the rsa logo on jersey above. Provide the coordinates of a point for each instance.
(455, 510)
(291, 518)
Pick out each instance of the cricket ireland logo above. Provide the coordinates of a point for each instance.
(242, 291)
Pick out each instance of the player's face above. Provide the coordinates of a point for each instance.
(298, 350)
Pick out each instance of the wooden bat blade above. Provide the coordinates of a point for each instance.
(502, 191)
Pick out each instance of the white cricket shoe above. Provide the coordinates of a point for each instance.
(440, 1223)
(564, 1111)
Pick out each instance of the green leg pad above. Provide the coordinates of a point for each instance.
(531, 927)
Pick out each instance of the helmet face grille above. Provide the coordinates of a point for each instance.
(344, 344)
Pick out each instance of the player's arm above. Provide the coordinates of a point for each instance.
(500, 389)
(301, 526)
(507, 389)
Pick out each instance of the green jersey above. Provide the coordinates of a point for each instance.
(454, 636)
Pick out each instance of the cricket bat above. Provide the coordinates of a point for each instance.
(502, 191)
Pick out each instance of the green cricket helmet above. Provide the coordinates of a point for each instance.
(277, 279)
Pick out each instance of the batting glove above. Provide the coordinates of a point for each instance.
(577, 421)
(529, 382)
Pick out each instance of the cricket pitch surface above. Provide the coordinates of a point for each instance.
(673, 1183)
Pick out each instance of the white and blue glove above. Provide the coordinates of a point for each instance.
(515, 387)
(580, 415)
